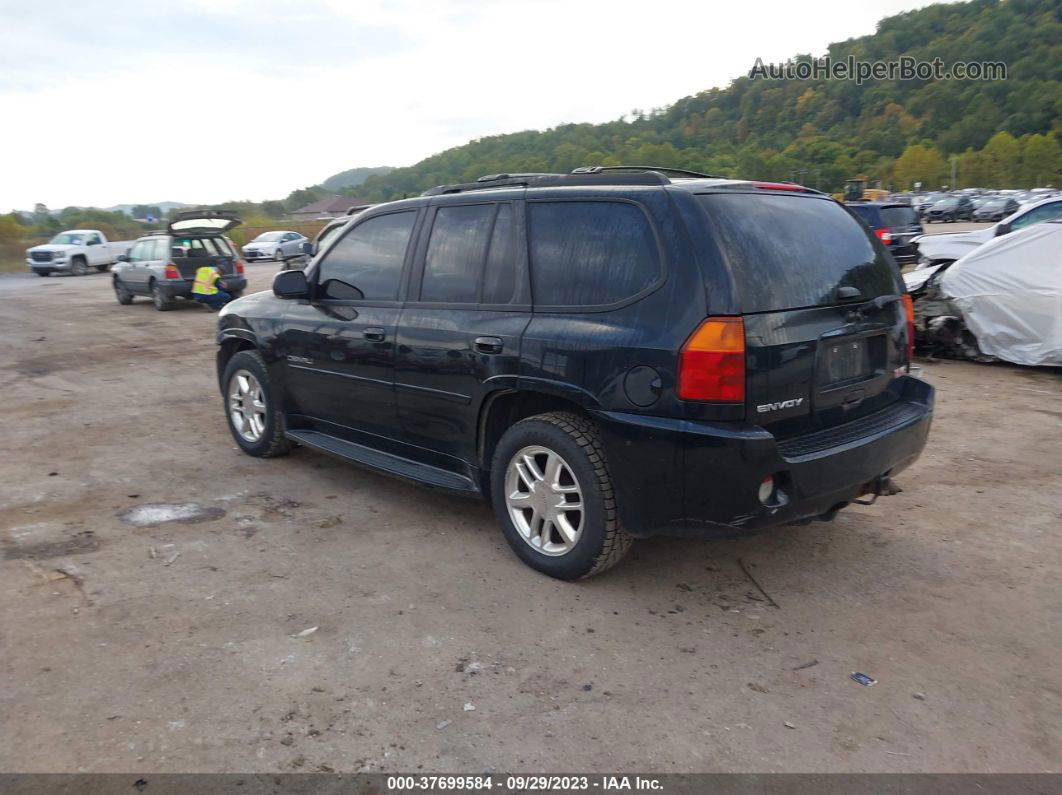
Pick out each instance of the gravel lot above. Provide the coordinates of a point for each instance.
(177, 647)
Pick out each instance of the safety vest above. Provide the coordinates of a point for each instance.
(205, 281)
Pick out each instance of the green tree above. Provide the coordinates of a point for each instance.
(10, 229)
(1041, 161)
(1003, 154)
(919, 164)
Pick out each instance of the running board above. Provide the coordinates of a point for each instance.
(385, 462)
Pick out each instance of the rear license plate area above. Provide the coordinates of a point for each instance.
(848, 360)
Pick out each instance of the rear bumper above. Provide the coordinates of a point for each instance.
(182, 288)
(683, 477)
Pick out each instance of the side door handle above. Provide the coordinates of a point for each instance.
(489, 345)
(374, 334)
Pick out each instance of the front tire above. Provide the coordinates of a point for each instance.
(77, 266)
(123, 295)
(159, 300)
(553, 494)
(252, 407)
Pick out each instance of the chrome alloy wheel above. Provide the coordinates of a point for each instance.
(247, 408)
(544, 500)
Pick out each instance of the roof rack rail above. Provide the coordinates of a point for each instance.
(666, 171)
(547, 180)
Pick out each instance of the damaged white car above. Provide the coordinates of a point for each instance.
(937, 252)
(1000, 301)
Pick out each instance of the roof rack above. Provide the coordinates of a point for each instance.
(665, 170)
(585, 175)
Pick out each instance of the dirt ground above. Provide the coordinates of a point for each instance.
(184, 646)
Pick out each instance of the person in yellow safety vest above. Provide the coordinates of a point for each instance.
(205, 289)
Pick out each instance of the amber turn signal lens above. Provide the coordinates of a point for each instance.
(712, 362)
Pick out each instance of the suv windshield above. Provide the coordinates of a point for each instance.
(787, 252)
(268, 237)
(65, 238)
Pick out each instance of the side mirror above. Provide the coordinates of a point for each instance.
(291, 284)
(307, 248)
(123, 258)
(1002, 229)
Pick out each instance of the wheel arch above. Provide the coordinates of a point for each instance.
(232, 342)
(504, 408)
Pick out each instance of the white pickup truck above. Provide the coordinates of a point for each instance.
(75, 251)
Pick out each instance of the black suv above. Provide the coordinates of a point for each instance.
(894, 224)
(605, 355)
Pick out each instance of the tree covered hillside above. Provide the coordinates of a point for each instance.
(1001, 133)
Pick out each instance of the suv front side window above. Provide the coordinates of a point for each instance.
(590, 253)
(366, 263)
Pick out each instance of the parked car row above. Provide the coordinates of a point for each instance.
(971, 204)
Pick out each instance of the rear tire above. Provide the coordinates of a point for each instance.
(160, 301)
(575, 542)
(123, 295)
(43, 274)
(244, 383)
(103, 268)
(236, 294)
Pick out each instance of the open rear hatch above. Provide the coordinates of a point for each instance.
(197, 221)
(825, 324)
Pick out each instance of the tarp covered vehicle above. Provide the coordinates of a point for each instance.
(1009, 295)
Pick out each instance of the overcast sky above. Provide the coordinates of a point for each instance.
(130, 101)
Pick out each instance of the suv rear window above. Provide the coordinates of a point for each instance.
(898, 216)
(787, 252)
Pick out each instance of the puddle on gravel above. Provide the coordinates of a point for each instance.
(29, 549)
(153, 513)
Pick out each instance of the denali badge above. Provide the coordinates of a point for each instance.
(782, 404)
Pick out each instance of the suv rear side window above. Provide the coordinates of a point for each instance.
(787, 252)
(366, 263)
(590, 253)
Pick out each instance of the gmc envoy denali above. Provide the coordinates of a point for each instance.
(605, 355)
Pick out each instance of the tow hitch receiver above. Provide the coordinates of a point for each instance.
(881, 486)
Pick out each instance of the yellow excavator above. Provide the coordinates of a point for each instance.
(856, 189)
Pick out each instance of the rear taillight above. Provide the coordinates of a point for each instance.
(908, 307)
(239, 267)
(883, 236)
(171, 272)
(712, 362)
